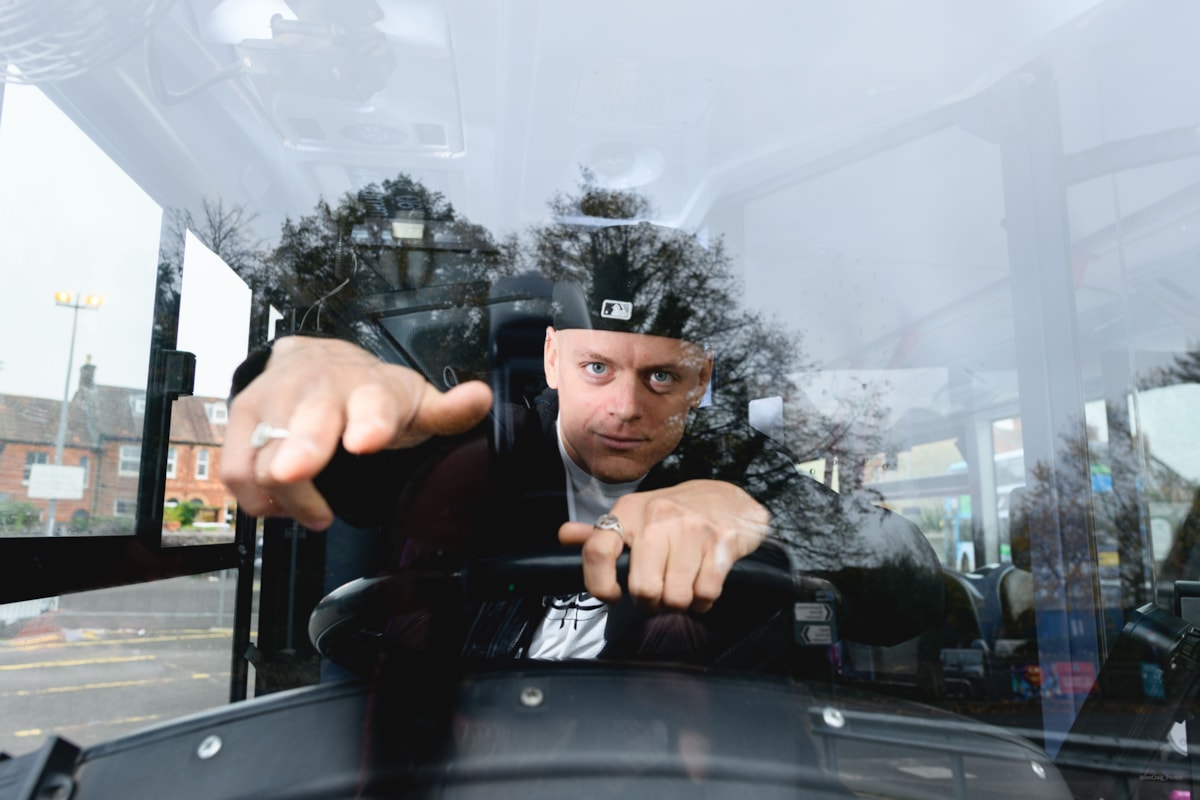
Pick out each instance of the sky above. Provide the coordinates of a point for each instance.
(75, 222)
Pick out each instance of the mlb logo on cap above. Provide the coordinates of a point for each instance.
(616, 309)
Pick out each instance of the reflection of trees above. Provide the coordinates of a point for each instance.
(674, 277)
(342, 263)
(225, 230)
(680, 277)
(1092, 505)
(691, 287)
(340, 268)
(1087, 489)
(169, 279)
(1182, 561)
(1184, 369)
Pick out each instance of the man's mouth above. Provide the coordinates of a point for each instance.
(614, 442)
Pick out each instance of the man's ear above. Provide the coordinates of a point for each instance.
(550, 358)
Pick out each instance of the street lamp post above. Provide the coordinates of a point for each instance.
(74, 302)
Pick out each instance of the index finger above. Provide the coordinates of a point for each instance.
(416, 411)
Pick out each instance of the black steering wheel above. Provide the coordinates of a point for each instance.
(351, 625)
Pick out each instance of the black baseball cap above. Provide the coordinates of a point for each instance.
(613, 295)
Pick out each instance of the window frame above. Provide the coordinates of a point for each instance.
(30, 462)
(124, 458)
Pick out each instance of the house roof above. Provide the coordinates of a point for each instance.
(98, 413)
(35, 420)
(113, 412)
(190, 422)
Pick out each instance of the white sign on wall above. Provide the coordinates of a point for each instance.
(53, 482)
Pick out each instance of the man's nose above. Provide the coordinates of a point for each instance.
(624, 399)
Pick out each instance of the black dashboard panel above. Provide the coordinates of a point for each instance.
(565, 729)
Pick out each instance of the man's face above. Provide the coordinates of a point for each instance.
(623, 397)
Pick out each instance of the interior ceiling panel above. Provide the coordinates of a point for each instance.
(379, 85)
(500, 117)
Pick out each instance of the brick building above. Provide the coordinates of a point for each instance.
(104, 436)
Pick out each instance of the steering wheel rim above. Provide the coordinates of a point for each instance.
(349, 626)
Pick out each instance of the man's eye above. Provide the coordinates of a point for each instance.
(661, 377)
(595, 368)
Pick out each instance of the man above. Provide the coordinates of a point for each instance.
(598, 458)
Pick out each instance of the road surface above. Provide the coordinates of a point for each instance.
(111, 662)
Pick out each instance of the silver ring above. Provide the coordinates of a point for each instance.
(265, 433)
(609, 522)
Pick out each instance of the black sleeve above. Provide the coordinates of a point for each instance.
(248, 370)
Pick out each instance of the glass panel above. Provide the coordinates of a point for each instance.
(214, 324)
(78, 297)
(945, 257)
(95, 665)
(1172, 492)
(916, 289)
(1008, 461)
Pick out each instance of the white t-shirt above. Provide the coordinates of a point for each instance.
(574, 626)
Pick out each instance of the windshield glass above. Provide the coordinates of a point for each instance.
(889, 307)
